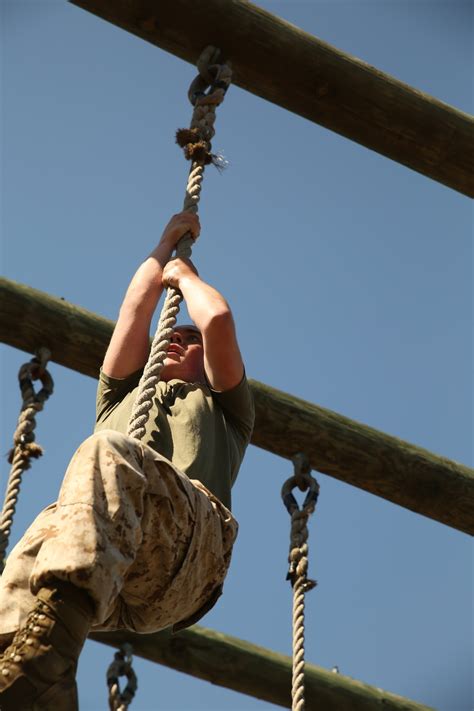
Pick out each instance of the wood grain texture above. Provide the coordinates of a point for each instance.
(389, 467)
(238, 665)
(289, 67)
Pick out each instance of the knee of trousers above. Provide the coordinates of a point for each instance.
(106, 466)
(111, 439)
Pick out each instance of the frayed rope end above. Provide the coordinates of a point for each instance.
(27, 451)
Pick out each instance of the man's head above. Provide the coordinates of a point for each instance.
(185, 357)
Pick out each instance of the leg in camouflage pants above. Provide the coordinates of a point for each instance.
(148, 545)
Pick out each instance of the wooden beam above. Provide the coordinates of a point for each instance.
(238, 665)
(289, 67)
(347, 450)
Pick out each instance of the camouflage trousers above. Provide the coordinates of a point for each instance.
(150, 546)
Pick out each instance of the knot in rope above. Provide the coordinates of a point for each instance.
(24, 448)
(33, 402)
(215, 78)
(121, 666)
(298, 560)
(302, 479)
(196, 142)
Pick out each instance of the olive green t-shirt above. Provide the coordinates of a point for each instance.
(202, 432)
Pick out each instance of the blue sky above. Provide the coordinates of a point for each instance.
(350, 278)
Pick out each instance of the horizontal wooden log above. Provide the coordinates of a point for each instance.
(238, 665)
(347, 450)
(289, 67)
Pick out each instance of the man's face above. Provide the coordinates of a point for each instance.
(185, 357)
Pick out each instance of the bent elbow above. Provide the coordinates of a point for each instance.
(220, 320)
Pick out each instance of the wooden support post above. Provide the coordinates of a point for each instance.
(352, 452)
(238, 665)
(279, 62)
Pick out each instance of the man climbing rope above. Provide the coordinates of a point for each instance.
(141, 535)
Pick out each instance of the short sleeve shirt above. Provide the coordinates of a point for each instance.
(204, 433)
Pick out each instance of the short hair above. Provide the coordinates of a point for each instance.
(188, 326)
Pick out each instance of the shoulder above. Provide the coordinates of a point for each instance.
(111, 391)
(238, 406)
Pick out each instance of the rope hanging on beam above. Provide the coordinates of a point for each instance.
(298, 559)
(25, 447)
(196, 142)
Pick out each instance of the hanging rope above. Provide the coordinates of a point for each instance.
(121, 666)
(298, 559)
(25, 447)
(196, 142)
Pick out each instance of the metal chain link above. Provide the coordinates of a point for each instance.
(25, 447)
(298, 559)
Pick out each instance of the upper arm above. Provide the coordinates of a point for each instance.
(129, 346)
(239, 411)
(111, 392)
(222, 359)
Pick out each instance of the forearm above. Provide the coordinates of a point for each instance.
(212, 315)
(206, 306)
(146, 286)
(129, 346)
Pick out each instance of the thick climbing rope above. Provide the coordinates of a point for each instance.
(298, 559)
(206, 92)
(121, 666)
(25, 447)
(196, 142)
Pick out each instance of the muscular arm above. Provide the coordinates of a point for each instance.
(129, 346)
(212, 315)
